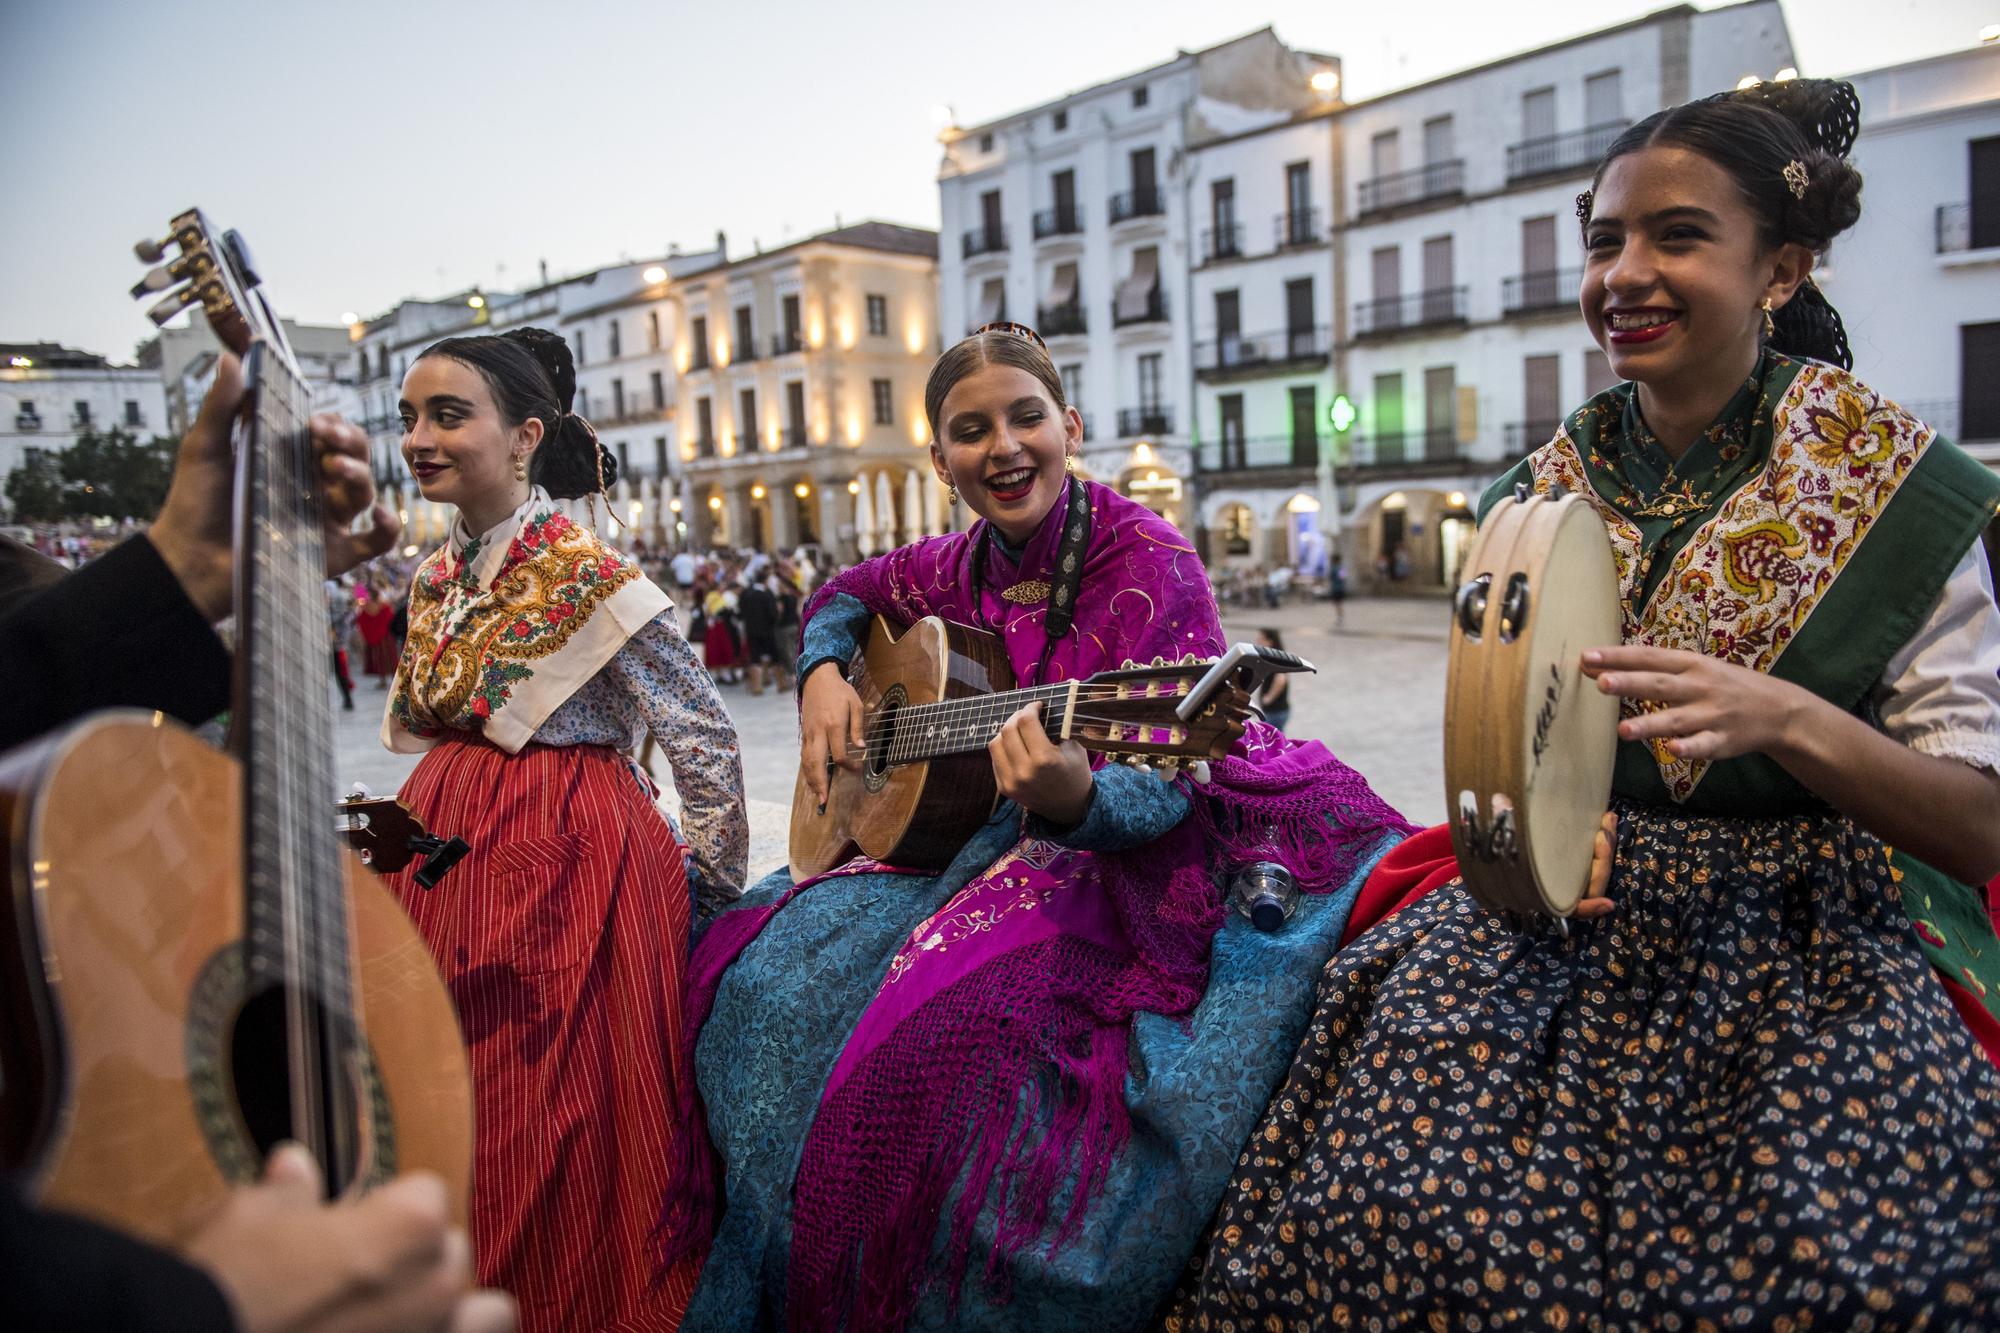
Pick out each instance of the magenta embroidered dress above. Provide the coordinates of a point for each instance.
(1008, 1095)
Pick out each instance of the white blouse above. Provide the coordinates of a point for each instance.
(1941, 694)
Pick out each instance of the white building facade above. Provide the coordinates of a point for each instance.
(1078, 217)
(1461, 342)
(1917, 281)
(51, 394)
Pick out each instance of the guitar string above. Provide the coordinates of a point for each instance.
(955, 714)
(917, 746)
(1012, 701)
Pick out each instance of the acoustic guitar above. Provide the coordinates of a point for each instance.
(933, 698)
(193, 969)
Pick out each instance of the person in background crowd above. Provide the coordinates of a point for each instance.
(1336, 588)
(374, 621)
(1275, 699)
(757, 609)
(721, 648)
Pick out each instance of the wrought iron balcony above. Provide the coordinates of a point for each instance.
(1297, 454)
(27, 421)
(745, 350)
(1060, 321)
(1058, 222)
(1550, 289)
(1131, 204)
(1224, 242)
(1390, 315)
(698, 358)
(783, 344)
(1418, 185)
(1411, 453)
(1562, 154)
(704, 446)
(1275, 352)
(1155, 311)
(792, 437)
(1154, 420)
(1296, 227)
(984, 241)
(1524, 437)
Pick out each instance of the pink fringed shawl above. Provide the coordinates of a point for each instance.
(993, 1059)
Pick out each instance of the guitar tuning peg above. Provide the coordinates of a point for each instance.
(1169, 770)
(1198, 770)
(151, 251)
(157, 280)
(175, 303)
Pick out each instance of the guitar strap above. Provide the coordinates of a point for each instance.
(1068, 573)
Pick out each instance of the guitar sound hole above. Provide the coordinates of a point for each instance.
(259, 1072)
(881, 734)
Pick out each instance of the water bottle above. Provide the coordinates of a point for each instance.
(1265, 892)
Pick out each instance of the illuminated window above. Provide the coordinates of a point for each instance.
(878, 315)
(885, 414)
(1238, 526)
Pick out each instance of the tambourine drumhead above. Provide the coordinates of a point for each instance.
(1529, 741)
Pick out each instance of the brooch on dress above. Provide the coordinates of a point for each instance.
(1027, 593)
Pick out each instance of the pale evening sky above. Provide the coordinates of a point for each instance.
(372, 151)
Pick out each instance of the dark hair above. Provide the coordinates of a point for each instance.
(988, 349)
(1755, 134)
(1277, 639)
(532, 375)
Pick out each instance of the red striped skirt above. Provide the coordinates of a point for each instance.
(563, 938)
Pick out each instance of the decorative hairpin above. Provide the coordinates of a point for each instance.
(1010, 326)
(1583, 203)
(1796, 178)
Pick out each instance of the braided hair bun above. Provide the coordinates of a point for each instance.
(571, 462)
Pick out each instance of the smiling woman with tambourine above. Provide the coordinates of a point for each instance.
(1738, 1093)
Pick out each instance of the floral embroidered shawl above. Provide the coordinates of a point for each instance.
(507, 625)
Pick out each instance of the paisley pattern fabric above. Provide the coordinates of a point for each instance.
(506, 625)
(1740, 1101)
(1759, 564)
(1194, 1091)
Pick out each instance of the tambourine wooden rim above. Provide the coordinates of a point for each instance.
(1529, 741)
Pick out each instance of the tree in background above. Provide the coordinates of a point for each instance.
(109, 475)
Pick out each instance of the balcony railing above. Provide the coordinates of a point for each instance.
(1155, 311)
(792, 437)
(633, 414)
(1553, 154)
(984, 241)
(1412, 451)
(783, 344)
(81, 421)
(1954, 228)
(1276, 351)
(704, 447)
(27, 421)
(1296, 227)
(745, 350)
(1260, 453)
(1224, 242)
(1154, 420)
(1129, 204)
(1060, 321)
(1058, 222)
(698, 359)
(1551, 289)
(1401, 189)
(1524, 437)
(1390, 315)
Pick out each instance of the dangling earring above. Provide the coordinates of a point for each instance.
(520, 467)
(1770, 325)
(951, 496)
(1069, 464)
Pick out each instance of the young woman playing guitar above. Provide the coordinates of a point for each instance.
(1060, 1024)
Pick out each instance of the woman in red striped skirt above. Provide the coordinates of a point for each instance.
(537, 659)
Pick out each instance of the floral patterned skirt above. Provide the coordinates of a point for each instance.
(1742, 1099)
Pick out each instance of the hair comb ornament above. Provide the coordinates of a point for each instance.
(1796, 178)
(1010, 326)
(1583, 204)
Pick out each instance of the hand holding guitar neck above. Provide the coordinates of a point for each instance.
(194, 531)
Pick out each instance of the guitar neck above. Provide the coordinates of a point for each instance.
(960, 726)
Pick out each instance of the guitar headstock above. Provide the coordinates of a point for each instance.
(197, 265)
(1131, 714)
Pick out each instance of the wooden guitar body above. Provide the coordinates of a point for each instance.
(132, 1046)
(915, 814)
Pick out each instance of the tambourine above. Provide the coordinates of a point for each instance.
(1529, 742)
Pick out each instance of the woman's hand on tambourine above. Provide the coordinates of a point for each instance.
(1704, 708)
(1595, 901)
(1038, 775)
(829, 726)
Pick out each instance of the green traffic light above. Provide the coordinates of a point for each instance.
(1343, 412)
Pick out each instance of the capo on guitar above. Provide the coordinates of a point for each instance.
(1250, 665)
